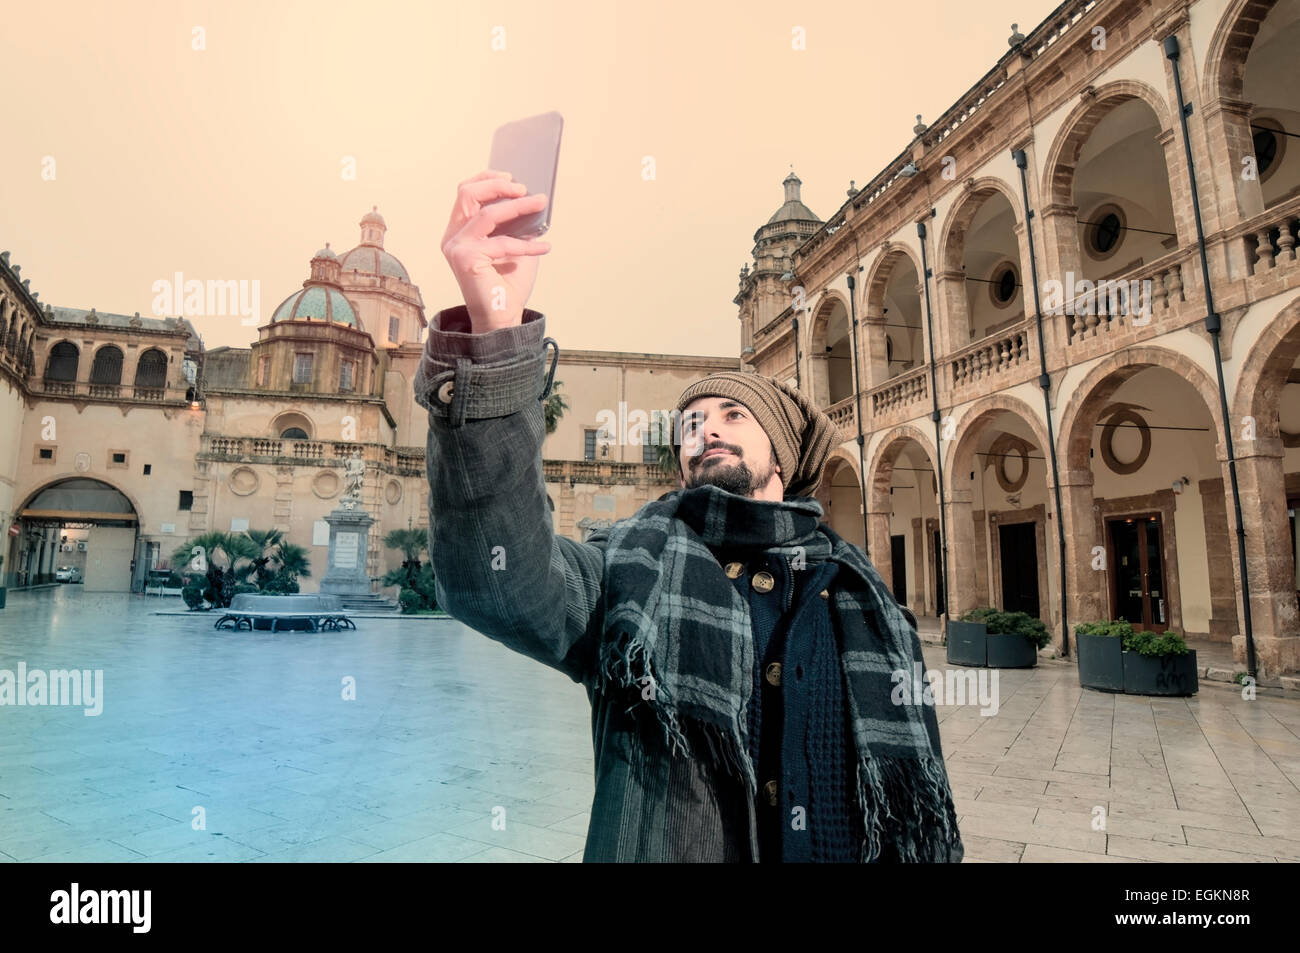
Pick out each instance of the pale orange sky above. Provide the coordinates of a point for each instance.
(226, 163)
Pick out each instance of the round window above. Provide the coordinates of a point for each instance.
(294, 433)
(1265, 148)
(1105, 231)
(1004, 284)
(1269, 142)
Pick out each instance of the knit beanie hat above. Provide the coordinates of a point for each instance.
(802, 436)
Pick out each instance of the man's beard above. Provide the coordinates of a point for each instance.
(735, 478)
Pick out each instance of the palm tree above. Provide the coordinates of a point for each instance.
(412, 542)
(292, 561)
(667, 454)
(230, 559)
(554, 407)
(266, 542)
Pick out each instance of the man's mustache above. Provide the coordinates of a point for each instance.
(699, 458)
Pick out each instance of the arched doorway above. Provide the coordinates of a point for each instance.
(840, 495)
(904, 521)
(79, 522)
(1001, 519)
(831, 355)
(1149, 539)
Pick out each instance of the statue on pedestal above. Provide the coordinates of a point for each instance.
(355, 474)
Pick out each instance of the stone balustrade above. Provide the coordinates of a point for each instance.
(995, 357)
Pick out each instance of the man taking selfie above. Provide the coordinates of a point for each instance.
(738, 655)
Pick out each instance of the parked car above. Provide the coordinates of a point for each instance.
(67, 574)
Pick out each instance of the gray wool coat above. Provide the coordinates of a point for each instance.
(486, 489)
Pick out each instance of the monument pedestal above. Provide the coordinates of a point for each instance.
(349, 532)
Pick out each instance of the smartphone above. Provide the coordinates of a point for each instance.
(529, 149)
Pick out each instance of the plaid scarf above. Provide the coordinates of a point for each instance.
(677, 629)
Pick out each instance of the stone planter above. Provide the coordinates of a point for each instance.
(1160, 674)
(967, 643)
(1010, 651)
(1101, 662)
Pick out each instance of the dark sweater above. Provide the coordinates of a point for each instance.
(799, 732)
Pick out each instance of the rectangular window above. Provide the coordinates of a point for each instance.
(148, 469)
(649, 453)
(263, 370)
(394, 328)
(187, 500)
(347, 372)
(302, 366)
(119, 458)
(589, 445)
(116, 458)
(47, 453)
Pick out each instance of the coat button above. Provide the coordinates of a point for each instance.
(763, 581)
(734, 570)
(771, 791)
(445, 392)
(773, 674)
(825, 594)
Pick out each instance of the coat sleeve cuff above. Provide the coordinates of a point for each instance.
(467, 376)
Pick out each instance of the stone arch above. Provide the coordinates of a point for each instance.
(972, 425)
(1225, 61)
(952, 237)
(1058, 170)
(1096, 388)
(821, 374)
(68, 357)
(882, 462)
(106, 364)
(881, 271)
(1264, 371)
(839, 461)
(137, 509)
(293, 418)
(151, 368)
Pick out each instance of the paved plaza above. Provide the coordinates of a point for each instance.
(245, 746)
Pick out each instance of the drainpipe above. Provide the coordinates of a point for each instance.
(862, 462)
(942, 569)
(798, 383)
(1213, 325)
(1045, 382)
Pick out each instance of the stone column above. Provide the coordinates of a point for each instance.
(875, 357)
(879, 544)
(951, 314)
(1087, 573)
(1221, 550)
(1275, 621)
(347, 576)
(962, 585)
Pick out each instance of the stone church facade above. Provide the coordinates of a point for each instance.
(124, 437)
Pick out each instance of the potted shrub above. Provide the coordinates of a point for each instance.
(988, 636)
(1159, 665)
(1013, 639)
(1100, 647)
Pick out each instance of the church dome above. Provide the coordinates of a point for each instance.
(372, 260)
(369, 258)
(793, 209)
(316, 303)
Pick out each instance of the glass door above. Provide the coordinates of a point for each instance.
(1138, 592)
